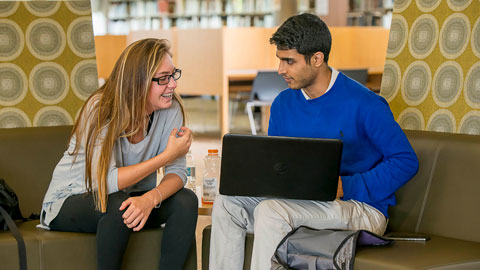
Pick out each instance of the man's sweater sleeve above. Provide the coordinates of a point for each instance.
(398, 165)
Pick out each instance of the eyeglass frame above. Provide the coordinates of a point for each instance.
(170, 76)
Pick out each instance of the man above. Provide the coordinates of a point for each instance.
(377, 158)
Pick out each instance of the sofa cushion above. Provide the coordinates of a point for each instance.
(57, 250)
(9, 249)
(28, 157)
(437, 253)
(443, 197)
(451, 209)
(410, 198)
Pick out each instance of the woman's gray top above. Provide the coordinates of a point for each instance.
(69, 175)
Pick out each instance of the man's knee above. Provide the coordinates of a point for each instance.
(226, 206)
(269, 211)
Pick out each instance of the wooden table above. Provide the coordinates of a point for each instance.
(205, 209)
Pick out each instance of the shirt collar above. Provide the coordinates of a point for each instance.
(333, 78)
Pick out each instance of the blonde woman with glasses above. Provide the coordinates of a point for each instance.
(105, 183)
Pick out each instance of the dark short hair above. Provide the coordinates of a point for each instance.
(306, 33)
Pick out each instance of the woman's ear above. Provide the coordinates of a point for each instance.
(317, 59)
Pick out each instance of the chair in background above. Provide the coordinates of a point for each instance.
(266, 86)
(359, 75)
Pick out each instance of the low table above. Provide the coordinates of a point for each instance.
(205, 209)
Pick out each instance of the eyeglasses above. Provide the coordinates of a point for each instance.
(177, 73)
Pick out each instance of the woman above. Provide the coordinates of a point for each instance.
(106, 180)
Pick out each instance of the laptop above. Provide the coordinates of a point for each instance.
(280, 167)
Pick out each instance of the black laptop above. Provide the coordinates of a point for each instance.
(280, 167)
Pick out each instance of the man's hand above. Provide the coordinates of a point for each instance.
(138, 210)
(339, 188)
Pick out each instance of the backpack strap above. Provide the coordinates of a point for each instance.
(22, 253)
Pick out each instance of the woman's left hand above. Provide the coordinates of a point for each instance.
(138, 210)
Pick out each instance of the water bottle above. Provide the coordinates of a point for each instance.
(190, 172)
(191, 177)
(211, 176)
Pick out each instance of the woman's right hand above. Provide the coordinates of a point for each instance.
(178, 146)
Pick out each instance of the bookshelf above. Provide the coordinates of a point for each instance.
(123, 16)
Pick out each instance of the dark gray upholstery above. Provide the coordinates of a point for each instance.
(441, 200)
(27, 159)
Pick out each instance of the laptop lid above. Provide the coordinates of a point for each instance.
(280, 167)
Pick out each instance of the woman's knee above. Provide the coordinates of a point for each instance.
(115, 200)
(185, 201)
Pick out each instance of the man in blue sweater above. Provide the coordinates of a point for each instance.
(321, 102)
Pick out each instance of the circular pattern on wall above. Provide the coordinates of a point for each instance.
(52, 116)
(12, 41)
(423, 36)
(400, 5)
(84, 78)
(13, 84)
(454, 35)
(13, 118)
(470, 123)
(391, 80)
(49, 82)
(80, 37)
(447, 83)
(412, 119)
(472, 86)
(442, 121)
(475, 40)
(42, 8)
(398, 36)
(458, 5)
(427, 5)
(79, 7)
(416, 83)
(77, 114)
(7, 8)
(45, 39)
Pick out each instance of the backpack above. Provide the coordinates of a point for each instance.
(9, 211)
(312, 249)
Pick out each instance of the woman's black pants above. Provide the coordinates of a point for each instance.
(179, 213)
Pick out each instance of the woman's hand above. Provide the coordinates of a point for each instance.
(138, 210)
(178, 146)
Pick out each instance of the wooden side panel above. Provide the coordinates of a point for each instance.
(249, 48)
(108, 49)
(358, 47)
(199, 55)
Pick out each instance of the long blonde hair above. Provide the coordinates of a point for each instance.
(117, 107)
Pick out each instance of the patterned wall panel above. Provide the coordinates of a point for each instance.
(47, 62)
(432, 73)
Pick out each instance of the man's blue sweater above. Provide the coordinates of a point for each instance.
(377, 158)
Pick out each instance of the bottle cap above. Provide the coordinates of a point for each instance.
(212, 152)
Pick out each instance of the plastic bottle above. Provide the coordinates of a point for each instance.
(191, 184)
(211, 176)
(191, 177)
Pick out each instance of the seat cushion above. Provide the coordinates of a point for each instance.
(437, 253)
(55, 250)
(9, 248)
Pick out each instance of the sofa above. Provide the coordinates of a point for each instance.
(442, 201)
(27, 159)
